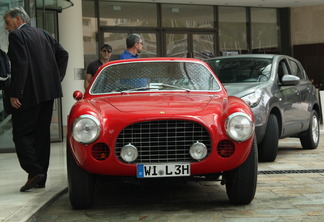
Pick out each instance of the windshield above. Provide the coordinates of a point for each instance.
(154, 76)
(235, 70)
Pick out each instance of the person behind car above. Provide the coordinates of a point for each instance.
(134, 43)
(38, 65)
(105, 54)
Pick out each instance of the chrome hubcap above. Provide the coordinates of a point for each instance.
(315, 129)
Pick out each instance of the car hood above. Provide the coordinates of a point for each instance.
(155, 102)
(241, 89)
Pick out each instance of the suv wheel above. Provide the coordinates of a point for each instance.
(310, 138)
(268, 148)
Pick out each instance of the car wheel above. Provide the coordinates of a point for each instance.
(81, 184)
(310, 139)
(242, 181)
(268, 148)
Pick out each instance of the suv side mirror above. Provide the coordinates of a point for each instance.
(288, 80)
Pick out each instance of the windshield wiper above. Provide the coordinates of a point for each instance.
(156, 86)
(162, 85)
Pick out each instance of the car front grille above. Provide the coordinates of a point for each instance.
(163, 141)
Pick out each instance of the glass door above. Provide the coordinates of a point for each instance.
(189, 45)
(6, 142)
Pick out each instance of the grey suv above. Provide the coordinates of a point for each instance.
(282, 98)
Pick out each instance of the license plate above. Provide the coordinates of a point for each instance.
(163, 170)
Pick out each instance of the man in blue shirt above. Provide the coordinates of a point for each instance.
(134, 43)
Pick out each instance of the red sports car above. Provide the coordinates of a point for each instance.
(159, 118)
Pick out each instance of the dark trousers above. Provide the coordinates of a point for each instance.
(31, 135)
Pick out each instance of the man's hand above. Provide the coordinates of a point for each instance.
(15, 103)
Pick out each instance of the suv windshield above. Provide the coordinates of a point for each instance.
(235, 70)
(154, 76)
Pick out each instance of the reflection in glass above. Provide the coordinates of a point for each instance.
(176, 45)
(149, 49)
(127, 14)
(154, 76)
(187, 16)
(264, 28)
(232, 30)
(118, 41)
(238, 70)
(203, 46)
(90, 30)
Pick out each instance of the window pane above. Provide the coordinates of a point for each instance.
(295, 70)
(90, 30)
(118, 42)
(203, 46)
(127, 14)
(232, 30)
(6, 142)
(264, 28)
(187, 16)
(176, 45)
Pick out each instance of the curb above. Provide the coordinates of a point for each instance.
(29, 211)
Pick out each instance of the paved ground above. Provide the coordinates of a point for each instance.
(289, 189)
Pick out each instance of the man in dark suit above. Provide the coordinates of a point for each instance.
(38, 64)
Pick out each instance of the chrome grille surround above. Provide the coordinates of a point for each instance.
(163, 141)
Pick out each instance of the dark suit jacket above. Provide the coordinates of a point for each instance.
(38, 65)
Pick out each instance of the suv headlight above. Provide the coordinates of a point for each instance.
(252, 99)
(239, 126)
(86, 129)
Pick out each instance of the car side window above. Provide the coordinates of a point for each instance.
(296, 70)
(282, 70)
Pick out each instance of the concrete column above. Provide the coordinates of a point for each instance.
(71, 38)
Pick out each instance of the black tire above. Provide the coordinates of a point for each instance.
(81, 184)
(310, 139)
(268, 148)
(242, 181)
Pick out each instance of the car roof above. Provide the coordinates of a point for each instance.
(269, 56)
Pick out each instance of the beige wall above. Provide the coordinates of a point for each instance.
(307, 25)
(71, 38)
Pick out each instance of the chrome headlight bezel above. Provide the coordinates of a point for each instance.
(129, 153)
(86, 129)
(198, 151)
(239, 126)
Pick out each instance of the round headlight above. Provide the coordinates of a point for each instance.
(129, 153)
(198, 151)
(86, 129)
(239, 126)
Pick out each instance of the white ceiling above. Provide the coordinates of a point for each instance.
(252, 3)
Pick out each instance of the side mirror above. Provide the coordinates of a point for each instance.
(289, 80)
(77, 95)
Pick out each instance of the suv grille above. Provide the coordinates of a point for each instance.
(163, 141)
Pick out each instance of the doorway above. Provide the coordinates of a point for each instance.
(199, 45)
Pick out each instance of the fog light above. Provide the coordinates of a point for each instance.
(198, 151)
(129, 153)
